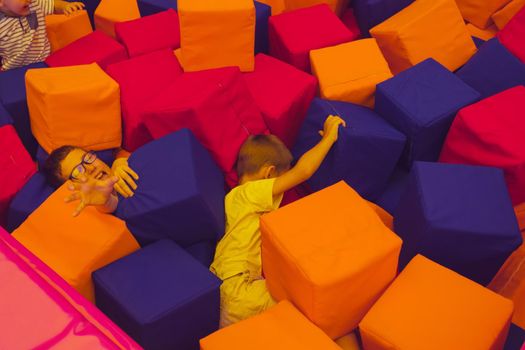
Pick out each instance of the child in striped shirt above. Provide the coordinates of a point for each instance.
(23, 38)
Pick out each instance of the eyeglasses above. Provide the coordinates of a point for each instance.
(78, 170)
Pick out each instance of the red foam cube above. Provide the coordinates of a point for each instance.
(491, 133)
(141, 79)
(16, 167)
(513, 35)
(150, 33)
(350, 21)
(283, 94)
(95, 47)
(216, 106)
(293, 34)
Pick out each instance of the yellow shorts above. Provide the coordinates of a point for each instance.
(243, 297)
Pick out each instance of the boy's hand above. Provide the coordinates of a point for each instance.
(126, 177)
(90, 192)
(67, 8)
(331, 127)
(73, 7)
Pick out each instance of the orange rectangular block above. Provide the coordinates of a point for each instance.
(350, 72)
(215, 34)
(63, 30)
(109, 12)
(510, 283)
(280, 327)
(425, 29)
(337, 6)
(431, 307)
(504, 15)
(330, 255)
(484, 34)
(479, 12)
(75, 105)
(510, 279)
(74, 247)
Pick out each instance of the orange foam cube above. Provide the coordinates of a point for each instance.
(74, 247)
(510, 283)
(479, 12)
(280, 327)
(337, 6)
(74, 105)
(63, 30)
(329, 254)
(109, 12)
(504, 15)
(484, 34)
(350, 72)
(424, 29)
(431, 307)
(510, 279)
(519, 210)
(215, 34)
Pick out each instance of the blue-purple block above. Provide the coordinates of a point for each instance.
(151, 7)
(34, 193)
(365, 153)
(389, 198)
(370, 13)
(5, 118)
(13, 97)
(478, 42)
(107, 156)
(180, 192)
(492, 69)
(515, 339)
(160, 296)
(204, 252)
(262, 14)
(460, 216)
(90, 7)
(422, 102)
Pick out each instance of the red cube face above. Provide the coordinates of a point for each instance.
(150, 33)
(216, 106)
(292, 35)
(95, 47)
(490, 133)
(283, 94)
(16, 167)
(512, 35)
(141, 79)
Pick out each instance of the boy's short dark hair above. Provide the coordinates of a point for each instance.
(260, 150)
(52, 169)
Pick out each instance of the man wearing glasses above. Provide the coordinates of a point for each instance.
(93, 182)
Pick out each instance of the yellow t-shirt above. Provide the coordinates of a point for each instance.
(240, 249)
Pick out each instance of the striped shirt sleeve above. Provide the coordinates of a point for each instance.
(47, 6)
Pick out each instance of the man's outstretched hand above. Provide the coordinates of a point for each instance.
(92, 192)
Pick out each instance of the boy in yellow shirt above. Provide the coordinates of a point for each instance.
(264, 173)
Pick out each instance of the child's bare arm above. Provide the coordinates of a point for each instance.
(67, 8)
(308, 164)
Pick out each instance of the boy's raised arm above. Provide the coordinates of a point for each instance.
(309, 162)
